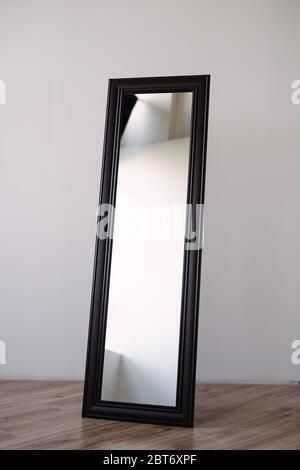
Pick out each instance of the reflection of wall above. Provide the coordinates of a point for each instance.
(111, 372)
(145, 289)
(180, 121)
(158, 117)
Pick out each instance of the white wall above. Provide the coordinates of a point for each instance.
(55, 58)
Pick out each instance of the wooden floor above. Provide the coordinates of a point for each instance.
(46, 415)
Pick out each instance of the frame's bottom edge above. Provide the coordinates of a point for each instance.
(141, 420)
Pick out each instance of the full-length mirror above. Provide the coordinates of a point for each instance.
(144, 305)
(144, 311)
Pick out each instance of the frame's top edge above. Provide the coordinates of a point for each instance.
(163, 80)
(161, 77)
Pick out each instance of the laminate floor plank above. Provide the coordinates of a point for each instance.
(47, 415)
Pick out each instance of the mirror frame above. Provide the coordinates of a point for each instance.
(183, 413)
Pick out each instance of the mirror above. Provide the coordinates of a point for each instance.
(145, 303)
(143, 330)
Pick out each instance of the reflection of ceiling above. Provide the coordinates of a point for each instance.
(156, 117)
(128, 104)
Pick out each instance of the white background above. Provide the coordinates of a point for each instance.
(56, 57)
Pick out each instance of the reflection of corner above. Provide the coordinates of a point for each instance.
(125, 381)
(116, 383)
(136, 386)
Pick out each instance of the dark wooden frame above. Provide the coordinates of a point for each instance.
(183, 413)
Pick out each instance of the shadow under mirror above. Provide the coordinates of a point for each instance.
(144, 305)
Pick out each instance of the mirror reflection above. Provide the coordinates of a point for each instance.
(144, 306)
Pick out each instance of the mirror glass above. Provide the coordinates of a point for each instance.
(144, 305)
